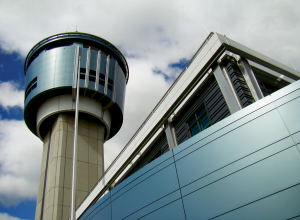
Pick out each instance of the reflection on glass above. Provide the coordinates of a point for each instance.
(204, 121)
(199, 122)
(194, 129)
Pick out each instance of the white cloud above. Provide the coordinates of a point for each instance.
(5, 216)
(152, 35)
(162, 32)
(11, 96)
(20, 160)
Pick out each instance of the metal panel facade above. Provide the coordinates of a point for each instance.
(243, 167)
(53, 68)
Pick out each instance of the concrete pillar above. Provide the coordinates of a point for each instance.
(227, 89)
(90, 165)
(250, 79)
(170, 133)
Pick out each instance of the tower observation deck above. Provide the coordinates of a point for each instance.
(51, 69)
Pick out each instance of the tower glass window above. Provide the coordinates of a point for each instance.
(199, 122)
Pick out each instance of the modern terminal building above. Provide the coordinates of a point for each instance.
(222, 143)
(51, 69)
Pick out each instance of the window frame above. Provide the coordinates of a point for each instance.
(195, 116)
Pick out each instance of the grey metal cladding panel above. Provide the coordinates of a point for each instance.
(121, 86)
(231, 123)
(282, 205)
(288, 107)
(81, 83)
(118, 84)
(91, 86)
(172, 211)
(97, 207)
(103, 214)
(71, 49)
(231, 146)
(70, 53)
(109, 93)
(48, 85)
(285, 91)
(114, 84)
(248, 185)
(290, 114)
(59, 82)
(101, 89)
(82, 54)
(30, 74)
(68, 81)
(31, 95)
(47, 76)
(103, 63)
(143, 173)
(95, 52)
(151, 189)
(50, 64)
(93, 64)
(158, 205)
(296, 137)
(60, 72)
(111, 67)
(69, 69)
(239, 165)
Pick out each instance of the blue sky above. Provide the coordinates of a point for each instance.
(157, 38)
(11, 70)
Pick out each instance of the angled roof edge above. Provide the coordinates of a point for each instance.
(257, 57)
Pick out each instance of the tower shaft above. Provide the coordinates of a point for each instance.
(54, 194)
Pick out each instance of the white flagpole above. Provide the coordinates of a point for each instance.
(74, 168)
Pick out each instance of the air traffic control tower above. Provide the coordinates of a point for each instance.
(51, 69)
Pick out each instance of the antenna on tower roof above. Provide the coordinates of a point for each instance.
(76, 28)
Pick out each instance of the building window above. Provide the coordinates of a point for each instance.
(31, 86)
(199, 122)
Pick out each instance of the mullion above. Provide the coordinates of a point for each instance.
(197, 120)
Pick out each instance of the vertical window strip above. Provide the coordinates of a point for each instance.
(106, 74)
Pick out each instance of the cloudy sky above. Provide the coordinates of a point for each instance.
(157, 39)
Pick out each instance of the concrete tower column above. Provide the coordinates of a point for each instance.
(54, 196)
